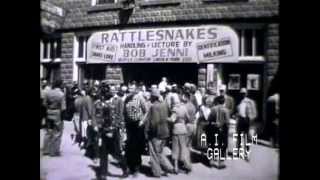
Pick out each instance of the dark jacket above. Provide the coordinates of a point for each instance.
(229, 104)
(156, 123)
(191, 111)
(117, 108)
(54, 101)
(219, 115)
(86, 108)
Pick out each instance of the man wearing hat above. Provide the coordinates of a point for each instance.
(134, 110)
(157, 133)
(218, 118)
(76, 115)
(209, 99)
(247, 113)
(109, 121)
(163, 84)
(54, 100)
(229, 101)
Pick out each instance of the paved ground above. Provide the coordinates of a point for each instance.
(72, 165)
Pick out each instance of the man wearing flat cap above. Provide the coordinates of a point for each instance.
(157, 133)
(229, 101)
(247, 113)
(54, 101)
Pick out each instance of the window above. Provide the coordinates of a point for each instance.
(80, 47)
(101, 2)
(45, 49)
(260, 40)
(251, 42)
(105, 1)
(50, 49)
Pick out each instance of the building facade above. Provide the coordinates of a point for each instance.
(69, 24)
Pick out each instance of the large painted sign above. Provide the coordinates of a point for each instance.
(195, 44)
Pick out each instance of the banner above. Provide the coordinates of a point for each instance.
(195, 44)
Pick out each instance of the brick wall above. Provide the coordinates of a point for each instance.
(78, 14)
(66, 57)
(272, 53)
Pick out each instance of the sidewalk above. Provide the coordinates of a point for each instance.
(73, 165)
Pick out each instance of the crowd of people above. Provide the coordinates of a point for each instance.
(128, 120)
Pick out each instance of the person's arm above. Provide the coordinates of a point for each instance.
(227, 116)
(94, 120)
(173, 116)
(45, 100)
(212, 116)
(146, 117)
(63, 102)
(143, 105)
(188, 117)
(90, 108)
(147, 123)
(121, 113)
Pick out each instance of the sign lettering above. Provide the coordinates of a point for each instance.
(193, 44)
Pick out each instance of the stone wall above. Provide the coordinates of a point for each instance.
(66, 57)
(79, 13)
(272, 52)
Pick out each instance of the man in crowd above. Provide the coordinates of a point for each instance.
(134, 113)
(91, 134)
(247, 113)
(180, 151)
(44, 87)
(219, 118)
(274, 114)
(108, 121)
(85, 115)
(229, 101)
(191, 109)
(157, 132)
(54, 100)
(76, 115)
(162, 85)
(117, 118)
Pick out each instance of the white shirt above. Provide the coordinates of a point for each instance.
(242, 108)
(198, 98)
(162, 86)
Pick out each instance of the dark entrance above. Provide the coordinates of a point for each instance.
(152, 73)
(52, 71)
(246, 75)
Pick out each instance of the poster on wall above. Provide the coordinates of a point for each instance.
(212, 78)
(193, 44)
(234, 82)
(253, 82)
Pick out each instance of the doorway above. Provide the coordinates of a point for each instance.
(249, 76)
(148, 73)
